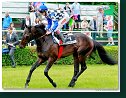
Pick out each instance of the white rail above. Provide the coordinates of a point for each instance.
(30, 43)
(21, 31)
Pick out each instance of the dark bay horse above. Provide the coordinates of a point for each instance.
(48, 50)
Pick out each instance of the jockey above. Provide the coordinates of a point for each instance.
(42, 14)
(56, 17)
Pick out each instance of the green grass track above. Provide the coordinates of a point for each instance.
(97, 76)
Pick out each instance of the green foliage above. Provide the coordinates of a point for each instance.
(112, 51)
(28, 56)
(25, 56)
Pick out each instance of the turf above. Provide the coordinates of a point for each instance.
(95, 77)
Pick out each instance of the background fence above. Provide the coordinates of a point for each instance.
(103, 40)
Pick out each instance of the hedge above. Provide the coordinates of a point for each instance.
(28, 56)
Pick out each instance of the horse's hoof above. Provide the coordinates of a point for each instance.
(54, 84)
(71, 84)
(26, 85)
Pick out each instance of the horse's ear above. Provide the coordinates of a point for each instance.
(29, 26)
(42, 26)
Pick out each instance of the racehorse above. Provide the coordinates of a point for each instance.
(48, 50)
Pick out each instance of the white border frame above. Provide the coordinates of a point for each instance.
(59, 90)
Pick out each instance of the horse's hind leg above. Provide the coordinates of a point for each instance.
(48, 66)
(83, 54)
(76, 67)
(83, 68)
(82, 57)
(34, 66)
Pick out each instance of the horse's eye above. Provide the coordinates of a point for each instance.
(26, 36)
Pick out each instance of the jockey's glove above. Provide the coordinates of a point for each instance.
(47, 29)
(52, 31)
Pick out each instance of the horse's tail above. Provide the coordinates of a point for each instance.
(103, 54)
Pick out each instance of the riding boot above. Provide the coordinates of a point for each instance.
(62, 37)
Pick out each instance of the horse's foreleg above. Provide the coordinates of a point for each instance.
(76, 68)
(48, 66)
(83, 68)
(34, 66)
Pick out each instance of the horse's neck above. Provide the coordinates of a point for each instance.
(44, 43)
(38, 43)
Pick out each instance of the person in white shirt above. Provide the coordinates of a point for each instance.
(32, 13)
(93, 26)
(84, 24)
(26, 21)
(100, 16)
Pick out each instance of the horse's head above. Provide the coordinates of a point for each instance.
(30, 33)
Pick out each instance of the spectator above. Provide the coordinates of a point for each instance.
(68, 10)
(12, 26)
(26, 21)
(72, 22)
(100, 15)
(6, 22)
(32, 13)
(105, 23)
(12, 40)
(104, 20)
(110, 30)
(77, 11)
(84, 24)
(93, 26)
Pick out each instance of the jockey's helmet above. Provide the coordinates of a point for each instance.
(43, 8)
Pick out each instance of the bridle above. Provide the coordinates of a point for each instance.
(42, 36)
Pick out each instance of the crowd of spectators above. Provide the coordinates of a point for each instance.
(96, 25)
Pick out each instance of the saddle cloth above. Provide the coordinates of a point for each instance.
(69, 39)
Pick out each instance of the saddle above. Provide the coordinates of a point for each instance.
(69, 39)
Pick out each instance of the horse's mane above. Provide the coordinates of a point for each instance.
(42, 26)
(40, 29)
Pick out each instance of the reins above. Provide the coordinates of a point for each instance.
(42, 36)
